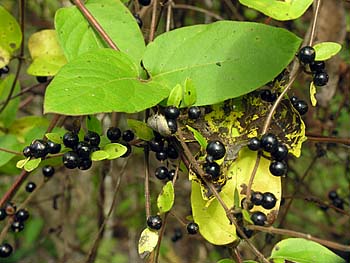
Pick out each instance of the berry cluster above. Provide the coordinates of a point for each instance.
(215, 151)
(171, 114)
(4, 70)
(336, 200)
(40, 148)
(307, 56)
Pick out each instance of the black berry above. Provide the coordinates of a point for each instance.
(70, 160)
(144, 2)
(320, 78)
(161, 155)
(171, 112)
(156, 146)
(278, 168)
(39, 149)
(254, 144)
(250, 206)
(307, 54)
(128, 150)
(41, 79)
(172, 125)
(2, 214)
(192, 228)
(138, 20)
(30, 187)
(48, 171)
(27, 152)
(114, 134)
(213, 169)
(17, 226)
(317, 66)
(258, 218)
(338, 203)
(162, 172)
(5, 250)
(194, 112)
(5, 70)
(248, 232)
(22, 215)
(154, 222)
(257, 198)
(84, 164)
(171, 152)
(53, 147)
(267, 95)
(280, 153)
(301, 106)
(177, 235)
(93, 138)
(332, 195)
(216, 149)
(293, 99)
(83, 150)
(128, 135)
(269, 200)
(209, 158)
(269, 142)
(70, 139)
(171, 174)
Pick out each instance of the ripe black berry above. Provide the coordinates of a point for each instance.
(194, 112)
(248, 232)
(332, 195)
(93, 138)
(39, 149)
(48, 171)
(4, 70)
(338, 203)
(320, 78)
(70, 160)
(293, 99)
(171, 112)
(128, 150)
(84, 164)
(154, 222)
(22, 215)
(267, 95)
(144, 2)
(171, 174)
(209, 158)
(280, 153)
(2, 214)
(213, 169)
(278, 168)
(17, 226)
(5, 250)
(258, 218)
(192, 228)
(27, 152)
(269, 142)
(254, 144)
(216, 149)
(30, 187)
(128, 135)
(41, 79)
(113, 134)
(257, 198)
(83, 150)
(70, 139)
(177, 235)
(156, 146)
(172, 153)
(317, 66)
(172, 125)
(269, 200)
(53, 147)
(138, 20)
(250, 206)
(162, 172)
(161, 155)
(307, 54)
(301, 106)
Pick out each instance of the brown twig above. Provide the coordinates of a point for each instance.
(153, 21)
(147, 194)
(198, 9)
(326, 139)
(10, 151)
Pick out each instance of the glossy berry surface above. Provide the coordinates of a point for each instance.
(156, 146)
(258, 218)
(317, 66)
(257, 198)
(114, 134)
(171, 112)
(41, 79)
(216, 149)
(48, 171)
(39, 149)
(254, 144)
(144, 2)
(171, 152)
(213, 169)
(192, 228)
(321, 79)
(301, 106)
(171, 174)
(267, 95)
(70, 139)
(172, 125)
(22, 215)
(53, 147)
(93, 138)
(5, 69)
(280, 153)
(269, 142)
(83, 149)
(293, 99)
(84, 164)
(128, 150)
(161, 155)
(154, 222)
(162, 172)
(5, 250)
(17, 226)
(278, 168)
(138, 20)
(332, 195)
(27, 152)
(128, 135)
(307, 54)
(248, 232)
(70, 160)
(30, 187)
(269, 200)
(250, 206)
(194, 112)
(2, 214)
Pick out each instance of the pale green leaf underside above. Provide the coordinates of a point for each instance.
(165, 199)
(101, 81)
(225, 59)
(304, 251)
(76, 35)
(326, 50)
(141, 129)
(279, 10)
(32, 164)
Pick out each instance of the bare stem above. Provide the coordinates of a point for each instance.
(198, 9)
(153, 21)
(147, 194)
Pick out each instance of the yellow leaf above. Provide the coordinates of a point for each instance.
(147, 242)
(312, 94)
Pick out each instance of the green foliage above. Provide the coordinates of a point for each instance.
(175, 96)
(8, 116)
(141, 129)
(212, 54)
(32, 164)
(326, 50)
(199, 137)
(190, 93)
(54, 137)
(166, 198)
(93, 124)
(101, 81)
(8, 141)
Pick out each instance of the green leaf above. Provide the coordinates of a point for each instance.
(99, 155)
(46, 53)
(246, 217)
(141, 129)
(225, 59)
(32, 230)
(279, 10)
(147, 242)
(303, 251)
(101, 81)
(76, 36)
(11, 36)
(115, 150)
(165, 199)
(21, 163)
(190, 93)
(326, 50)
(236, 198)
(226, 260)
(54, 137)
(199, 137)
(93, 124)
(32, 164)
(8, 116)
(9, 142)
(175, 96)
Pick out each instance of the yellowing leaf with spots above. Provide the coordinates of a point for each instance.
(312, 94)
(147, 242)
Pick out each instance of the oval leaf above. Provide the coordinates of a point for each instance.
(199, 137)
(99, 155)
(115, 150)
(165, 199)
(303, 251)
(141, 129)
(101, 81)
(54, 137)
(147, 242)
(326, 50)
(32, 164)
(190, 93)
(94, 124)
(312, 94)
(20, 164)
(225, 59)
(175, 96)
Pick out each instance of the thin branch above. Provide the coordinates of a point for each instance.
(198, 9)
(326, 139)
(168, 16)
(10, 151)
(153, 21)
(147, 194)
(313, 28)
